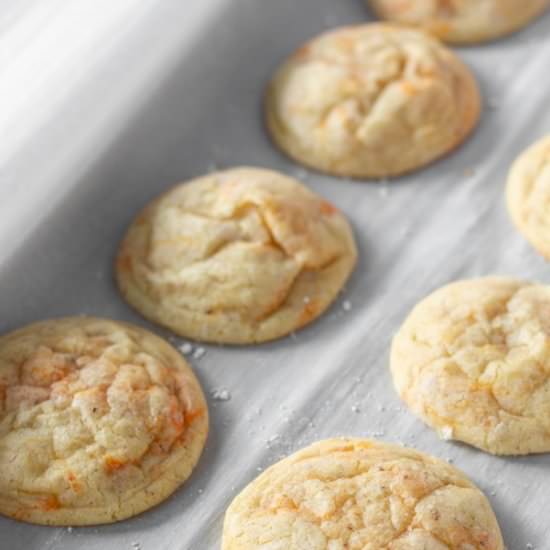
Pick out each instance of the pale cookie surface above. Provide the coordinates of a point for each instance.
(462, 21)
(359, 494)
(528, 195)
(240, 256)
(99, 421)
(371, 101)
(473, 361)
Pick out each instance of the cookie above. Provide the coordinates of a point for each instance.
(473, 361)
(99, 421)
(240, 256)
(363, 494)
(462, 21)
(528, 195)
(371, 101)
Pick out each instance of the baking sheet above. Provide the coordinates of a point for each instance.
(179, 93)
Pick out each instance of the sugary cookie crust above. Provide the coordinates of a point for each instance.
(473, 361)
(240, 256)
(373, 101)
(99, 421)
(528, 195)
(359, 494)
(462, 21)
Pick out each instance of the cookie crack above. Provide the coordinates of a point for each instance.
(273, 243)
(237, 215)
(355, 70)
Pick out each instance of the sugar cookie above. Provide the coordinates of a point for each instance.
(372, 101)
(528, 195)
(99, 421)
(240, 256)
(360, 494)
(473, 361)
(462, 21)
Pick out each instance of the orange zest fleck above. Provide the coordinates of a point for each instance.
(308, 313)
(302, 52)
(76, 486)
(124, 262)
(176, 414)
(328, 208)
(440, 28)
(141, 219)
(113, 464)
(409, 88)
(190, 416)
(49, 503)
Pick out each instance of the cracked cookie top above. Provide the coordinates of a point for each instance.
(240, 256)
(528, 195)
(473, 361)
(462, 21)
(99, 421)
(371, 101)
(359, 494)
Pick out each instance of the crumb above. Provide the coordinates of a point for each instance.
(186, 348)
(199, 352)
(346, 305)
(355, 408)
(307, 299)
(446, 433)
(220, 394)
(384, 190)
